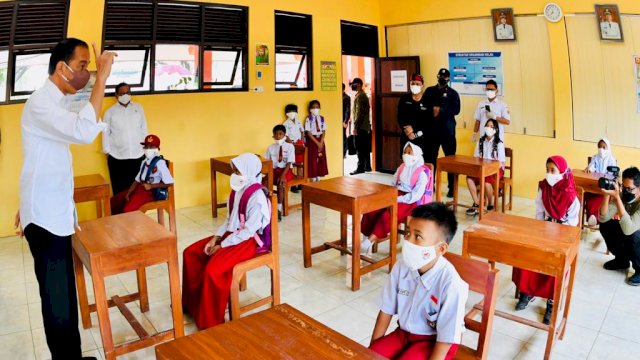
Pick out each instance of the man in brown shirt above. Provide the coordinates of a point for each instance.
(361, 127)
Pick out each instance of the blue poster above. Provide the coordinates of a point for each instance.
(470, 71)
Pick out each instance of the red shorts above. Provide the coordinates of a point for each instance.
(299, 157)
(488, 179)
(277, 172)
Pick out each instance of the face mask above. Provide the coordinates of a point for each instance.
(124, 99)
(409, 159)
(603, 152)
(80, 78)
(491, 94)
(280, 141)
(237, 182)
(416, 89)
(416, 256)
(291, 115)
(354, 87)
(315, 112)
(150, 153)
(553, 179)
(628, 197)
(442, 81)
(489, 131)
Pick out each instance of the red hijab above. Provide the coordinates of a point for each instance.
(558, 198)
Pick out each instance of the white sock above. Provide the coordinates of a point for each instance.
(365, 245)
(279, 207)
(592, 221)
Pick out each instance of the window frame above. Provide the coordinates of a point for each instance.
(239, 52)
(147, 57)
(295, 81)
(307, 53)
(12, 76)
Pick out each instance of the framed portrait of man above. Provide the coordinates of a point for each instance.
(262, 54)
(503, 24)
(609, 22)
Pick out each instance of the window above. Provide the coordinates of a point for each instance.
(359, 39)
(293, 51)
(31, 71)
(174, 46)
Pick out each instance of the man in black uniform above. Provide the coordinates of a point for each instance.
(414, 115)
(346, 119)
(445, 104)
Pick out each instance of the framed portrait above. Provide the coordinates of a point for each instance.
(262, 54)
(609, 22)
(504, 28)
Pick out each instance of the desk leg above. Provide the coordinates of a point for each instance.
(456, 177)
(343, 231)
(214, 194)
(143, 294)
(355, 248)
(496, 191)
(103, 316)
(81, 286)
(393, 239)
(551, 336)
(568, 295)
(438, 183)
(481, 200)
(174, 289)
(306, 232)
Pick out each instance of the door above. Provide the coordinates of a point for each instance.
(387, 149)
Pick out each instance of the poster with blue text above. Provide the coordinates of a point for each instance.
(470, 71)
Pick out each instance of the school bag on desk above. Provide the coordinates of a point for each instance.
(427, 197)
(158, 193)
(264, 241)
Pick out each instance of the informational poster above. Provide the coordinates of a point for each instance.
(470, 71)
(636, 75)
(328, 76)
(399, 81)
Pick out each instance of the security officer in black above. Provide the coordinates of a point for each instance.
(414, 115)
(445, 105)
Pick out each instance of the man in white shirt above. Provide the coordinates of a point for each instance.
(47, 210)
(491, 108)
(609, 28)
(127, 127)
(504, 31)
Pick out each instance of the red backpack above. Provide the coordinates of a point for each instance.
(264, 241)
(427, 197)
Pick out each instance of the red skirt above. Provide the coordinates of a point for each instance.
(533, 283)
(138, 197)
(488, 179)
(277, 172)
(317, 159)
(592, 203)
(378, 222)
(401, 344)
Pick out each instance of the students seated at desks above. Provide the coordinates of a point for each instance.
(207, 268)
(415, 187)
(425, 291)
(598, 164)
(150, 184)
(316, 127)
(557, 202)
(282, 155)
(489, 147)
(295, 133)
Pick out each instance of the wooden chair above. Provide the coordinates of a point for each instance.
(507, 181)
(484, 280)
(269, 259)
(301, 177)
(161, 205)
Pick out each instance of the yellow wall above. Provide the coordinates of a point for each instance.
(195, 127)
(530, 151)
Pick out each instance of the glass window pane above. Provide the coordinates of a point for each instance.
(4, 61)
(219, 66)
(176, 67)
(128, 68)
(287, 66)
(31, 70)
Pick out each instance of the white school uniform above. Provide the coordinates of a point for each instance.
(498, 107)
(159, 174)
(571, 217)
(288, 155)
(431, 304)
(310, 125)
(489, 154)
(295, 130)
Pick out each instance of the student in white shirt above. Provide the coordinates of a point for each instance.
(127, 127)
(47, 210)
(316, 129)
(282, 155)
(425, 291)
(295, 133)
(491, 108)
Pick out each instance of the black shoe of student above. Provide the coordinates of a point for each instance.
(490, 208)
(616, 264)
(634, 280)
(450, 194)
(294, 189)
(358, 171)
(473, 210)
(547, 314)
(524, 301)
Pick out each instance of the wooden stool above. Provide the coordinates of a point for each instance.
(93, 188)
(168, 205)
(302, 177)
(116, 244)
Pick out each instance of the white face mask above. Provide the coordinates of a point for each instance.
(291, 115)
(491, 94)
(416, 256)
(553, 179)
(315, 112)
(150, 153)
(237, 182)
(280, 141)
(416, 89)
(489, 131)
(124, 99)
(603, 152)
(409, 159)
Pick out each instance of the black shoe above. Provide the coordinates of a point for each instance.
(279, 215)
(358, 171)
(490, 207)
(634, 280)
(450, 194)
(473, 210)
(616, 264)
(524, 301)
(368, 169)
(547, 314)
(89, 358)
(295, 189)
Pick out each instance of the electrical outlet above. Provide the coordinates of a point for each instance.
(258, 89)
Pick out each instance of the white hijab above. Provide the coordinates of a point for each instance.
(407, 172)
(249, 166)
(609, 153)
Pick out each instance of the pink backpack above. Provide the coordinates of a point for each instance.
(264, 241)
(427, 197)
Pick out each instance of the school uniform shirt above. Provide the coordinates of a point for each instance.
(412, 194)
(315, 125)
(46, 181)
(127, 129)
(489, 154)
(258, 217)
(431, 304)
(288, 155)
(160, 173)
(294, 129)
(599, 164)
(498, 107)
(571, 217)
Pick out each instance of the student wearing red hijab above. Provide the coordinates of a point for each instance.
(558, 202)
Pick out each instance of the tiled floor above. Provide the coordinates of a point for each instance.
(604, 322)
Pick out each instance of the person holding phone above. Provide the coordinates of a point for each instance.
(491, 108)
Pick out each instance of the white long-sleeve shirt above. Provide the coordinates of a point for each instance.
(257, 219)
(127, 128)
(46, 181)
(570, 218)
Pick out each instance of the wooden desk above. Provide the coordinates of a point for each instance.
(536, 245)
(223, 165)
(116, 244)
(470, 166)
(356, 197)
(281, 332)
(93, 188)
(588, 181)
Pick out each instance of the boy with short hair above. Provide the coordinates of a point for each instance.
(425, 291)
(283, 155)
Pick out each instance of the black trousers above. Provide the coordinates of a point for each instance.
(344, 142)
(53, 265)
(363, 145)
(123, 172)
(431, 148)
(623, 247)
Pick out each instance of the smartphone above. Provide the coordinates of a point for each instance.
(488, 108)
